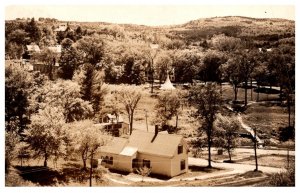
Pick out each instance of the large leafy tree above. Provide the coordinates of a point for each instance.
(231, 72)
(227, 133)
(65, 95)
(207, 101)
(163, 65)
(49, 58)
(210, 68)
(168, 106)
(69, 59)
(17, 90)
(130, 98)
(92, 87)
(33, 31)
(91, 48)
(186, 64)
(85, 139)
(45, 135)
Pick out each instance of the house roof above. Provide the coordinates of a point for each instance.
(56, 49)
(115, 146)
(163, 144)
(111, 116)
(129, 151)
(33, 48)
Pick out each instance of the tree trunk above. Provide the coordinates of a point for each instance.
(221, 90)
(229, 154)
(280, 94)
(91, 169)
(289, 108)
(246, 85)
(251, 88)
(46, 159)
(84, 160)
(131, 122)
(176, 122)
(209, 148)
(235, 89)
(257, 96)
(256, 164)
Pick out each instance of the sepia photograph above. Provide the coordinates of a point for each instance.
(149, 95)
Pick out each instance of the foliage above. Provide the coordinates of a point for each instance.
(130, 99)
(143, 171)
(69, 59)
(92, 87)
(11, 140)
(45, 135)
(207, 101)
(227, 133)
(91, 49)
(167, 107)
(286, 133)
(225, 43)
(163, 65)
(66, 96)
(33, 31)
(284, 178)
(17, 89)
(210, 68)
(49, 58)
(85, 139)
(186, 64)
(47, 37)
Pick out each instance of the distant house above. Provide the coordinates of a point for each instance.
(165, 154)
(114, 124)
(30, 50)
(55, 49)
(62, 27)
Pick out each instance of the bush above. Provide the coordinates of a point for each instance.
(284, 178)
(286, 133)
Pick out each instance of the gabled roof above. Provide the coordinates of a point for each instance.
(113, 117)
(115, 146)
(56, 49)
(33, 48)
(163, 144)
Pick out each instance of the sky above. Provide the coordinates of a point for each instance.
(152, 15)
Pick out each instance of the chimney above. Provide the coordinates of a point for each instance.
(155, 133)
(156, 129)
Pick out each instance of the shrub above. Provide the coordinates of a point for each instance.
(284, 178)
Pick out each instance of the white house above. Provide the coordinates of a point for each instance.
(165, 154)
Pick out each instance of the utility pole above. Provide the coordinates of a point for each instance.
(255, 145)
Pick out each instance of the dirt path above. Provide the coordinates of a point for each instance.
(249, 129)
(236, 168)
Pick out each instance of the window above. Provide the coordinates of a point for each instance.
(105, 159)
(180, 149)
(182, 165)
(146, 163)
(110, 161)
(135, 163)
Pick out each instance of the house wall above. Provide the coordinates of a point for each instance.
(120, 162)
(159, 165)
(176, 161)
